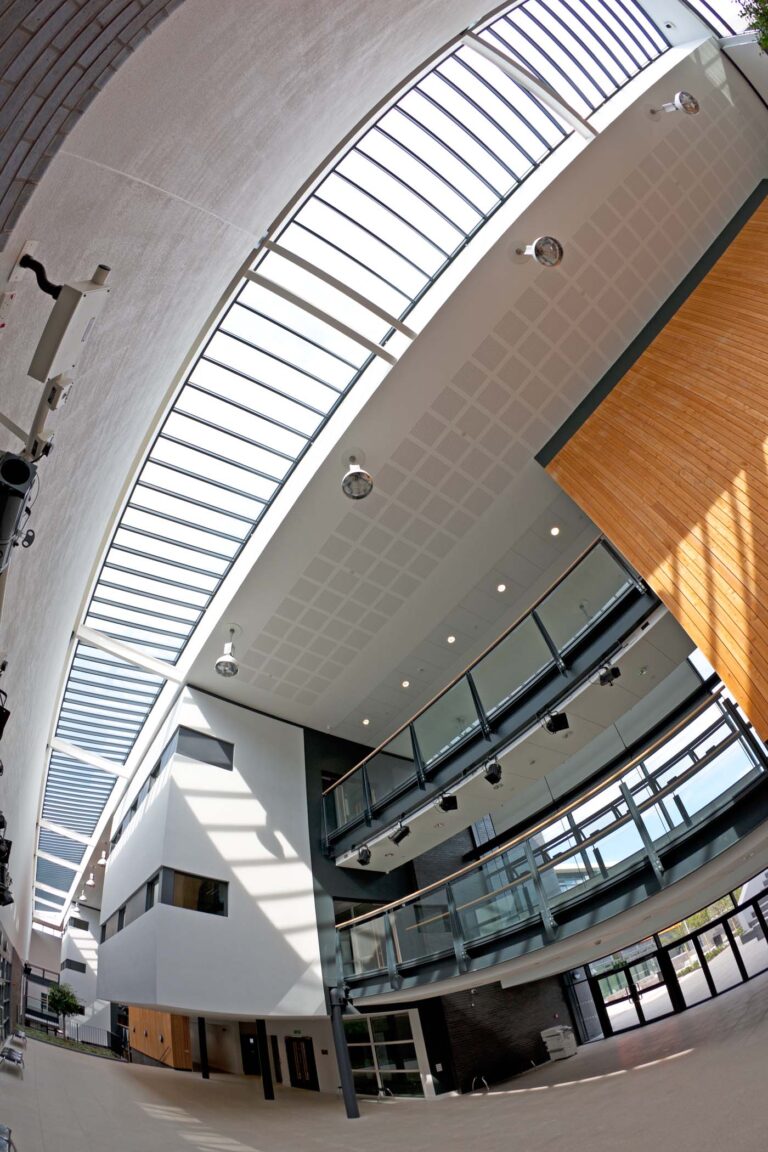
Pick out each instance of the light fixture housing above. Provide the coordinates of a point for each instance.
(364, 855)
(83, 897)
(227, 664)
(492, 773)
(102, 860)
(356, 483)
(545, 250)
(609, 674)
(90, 882)
(399, 834)
(447, 802)
(681, 102)
(556, 722)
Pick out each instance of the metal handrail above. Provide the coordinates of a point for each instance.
(600, 541)
(545, 822)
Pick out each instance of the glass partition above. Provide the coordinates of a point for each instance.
(448, 721)
(587, 592)
(511, 665)
(392, 767)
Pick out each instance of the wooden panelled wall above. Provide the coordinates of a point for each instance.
(673, 466)
(162, 1036)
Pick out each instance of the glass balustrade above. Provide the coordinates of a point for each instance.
(506, 671)
(647, 806)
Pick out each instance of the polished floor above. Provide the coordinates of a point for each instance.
(692, 1083)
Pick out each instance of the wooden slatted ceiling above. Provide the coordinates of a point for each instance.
(673, 466)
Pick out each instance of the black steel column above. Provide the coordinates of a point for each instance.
(205, 1071)
(266, 1068)
(342, 1055)
(676, 998)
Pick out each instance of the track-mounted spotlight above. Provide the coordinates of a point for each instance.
(5, 851)
(556, 722)
(400, 833)
(356, 482)
(682, 102)
(227, 665)
(545, 250)
(364, 855)
(608, 675)
(493, 773)
(447, 802)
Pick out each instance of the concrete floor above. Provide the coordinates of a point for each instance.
(693, 1083)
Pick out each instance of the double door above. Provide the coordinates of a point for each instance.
(632, 994)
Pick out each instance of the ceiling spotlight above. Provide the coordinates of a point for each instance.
(406, 684)
(682, 102)
(4, 712)
(227, 665)
(3, 824)
(400, 833)
(366, 722)
(83, 898)
(102, 860)
(364, 855)
(556, 722)
(554, 530)
(5, 851)
(493, 773)
(501, 587)
(450, 639)
(90, 882)
(608, 675)
(447, 803)
(356, 483)
(6, 897)
(546, 250)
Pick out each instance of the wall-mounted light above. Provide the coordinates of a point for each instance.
(227, 664)
(608, 675)
(682, 102)
(400, 833)
(556, 722)
(545, 250)
(356, 483)
(364, 855)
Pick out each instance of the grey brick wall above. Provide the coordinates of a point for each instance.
(55, 56)
(495, 1032)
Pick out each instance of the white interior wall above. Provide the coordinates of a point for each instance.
(44, 951)
(82, 945)
(247, 827)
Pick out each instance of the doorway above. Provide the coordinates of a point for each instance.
(302, 1070)
(250, 1050)
(631, 994)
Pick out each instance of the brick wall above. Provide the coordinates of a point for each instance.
(495, 1032)
(55, 56)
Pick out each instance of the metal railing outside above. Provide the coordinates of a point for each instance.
(535, 645)
(624, 823)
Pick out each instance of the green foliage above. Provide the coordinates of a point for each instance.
(755, 12)
(62, 1001)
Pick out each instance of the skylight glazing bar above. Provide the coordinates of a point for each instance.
(724, 16)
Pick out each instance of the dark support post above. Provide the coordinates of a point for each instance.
(205, 1071)
(676, 998)
(418, 760)
(338, 1003)
(266, 1068)
(485, 726)
(547, 919)
(637, 819)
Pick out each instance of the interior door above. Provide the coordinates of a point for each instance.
(302, 1070)
(250, 1051)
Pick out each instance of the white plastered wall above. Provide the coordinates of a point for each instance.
(247, 827)
(81, 945)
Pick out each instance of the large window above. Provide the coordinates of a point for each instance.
(383, 1054)
(199, 893)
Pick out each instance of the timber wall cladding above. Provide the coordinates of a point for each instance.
(673, 466)
(55, 56)
(167, 1036)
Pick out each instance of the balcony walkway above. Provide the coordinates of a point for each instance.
(694, 1082)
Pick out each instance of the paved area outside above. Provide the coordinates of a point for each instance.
(694, 1082)
(693, 985)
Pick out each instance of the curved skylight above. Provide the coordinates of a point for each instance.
(322, 301)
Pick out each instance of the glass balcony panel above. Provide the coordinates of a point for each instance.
(487, 904)
(363, 946)
(511, 665)
(446, 722)
(725, 772)
(392, 767)
(592, 587)
(423, 928)
(348, 799)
